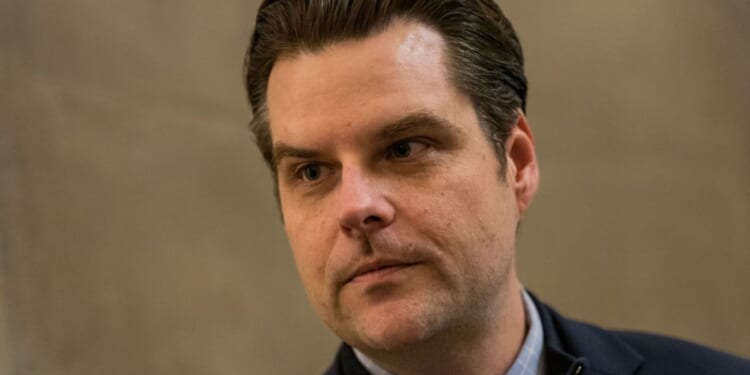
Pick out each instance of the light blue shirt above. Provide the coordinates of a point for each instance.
(530, 360)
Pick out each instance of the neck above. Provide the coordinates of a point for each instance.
(486, 348)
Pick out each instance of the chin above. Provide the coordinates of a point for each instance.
(397, 328)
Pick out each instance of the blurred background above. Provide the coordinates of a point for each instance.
(139, 235)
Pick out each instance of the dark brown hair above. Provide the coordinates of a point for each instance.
(483, 52)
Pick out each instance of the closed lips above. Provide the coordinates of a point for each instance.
(377, 266)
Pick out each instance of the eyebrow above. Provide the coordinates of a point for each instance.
(421, 120)
(282, 150)
(412, 122)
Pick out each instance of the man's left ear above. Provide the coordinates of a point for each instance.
(523, 169)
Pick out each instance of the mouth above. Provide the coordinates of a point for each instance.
(377, 271)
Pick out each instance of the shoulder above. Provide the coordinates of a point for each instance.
(664, 355)
(627, 352)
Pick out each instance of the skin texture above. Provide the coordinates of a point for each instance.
(402, 228)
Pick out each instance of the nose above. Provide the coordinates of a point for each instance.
(364, 206)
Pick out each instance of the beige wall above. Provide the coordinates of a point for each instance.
(138, 233)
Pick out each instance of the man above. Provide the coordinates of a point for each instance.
(403, 163)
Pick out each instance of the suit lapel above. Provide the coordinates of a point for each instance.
(572, 347)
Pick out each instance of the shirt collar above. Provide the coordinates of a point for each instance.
(530, 360)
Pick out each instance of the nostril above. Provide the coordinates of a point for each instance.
(372, 219)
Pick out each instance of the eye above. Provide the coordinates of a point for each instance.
(311, 172)
(405, 149)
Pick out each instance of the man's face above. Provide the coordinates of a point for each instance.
(401, 225)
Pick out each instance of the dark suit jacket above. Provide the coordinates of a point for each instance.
(575, 348)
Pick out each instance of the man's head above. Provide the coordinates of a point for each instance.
(400, 209)
(484, 58)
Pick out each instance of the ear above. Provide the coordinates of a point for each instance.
(523, 169)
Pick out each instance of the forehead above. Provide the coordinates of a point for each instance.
(400, 69)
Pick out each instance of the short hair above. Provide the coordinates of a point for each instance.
(484, 55)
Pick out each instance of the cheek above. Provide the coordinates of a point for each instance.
(311, 246)
(310, 257)
(313, 240)
(472, 216)
(472, 198)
